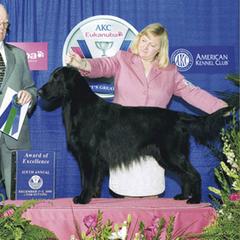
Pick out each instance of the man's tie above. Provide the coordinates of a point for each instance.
(2, 69)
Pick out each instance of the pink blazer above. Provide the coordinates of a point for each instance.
(132, 88)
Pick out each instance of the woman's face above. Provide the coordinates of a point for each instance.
(148, 47)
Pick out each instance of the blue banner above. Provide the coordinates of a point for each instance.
(35, 175)
(205, 59)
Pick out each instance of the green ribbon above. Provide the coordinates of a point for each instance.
(10, 120)
(12, 115)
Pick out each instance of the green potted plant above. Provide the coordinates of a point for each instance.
(13, 226)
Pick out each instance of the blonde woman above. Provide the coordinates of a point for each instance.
(144, 77)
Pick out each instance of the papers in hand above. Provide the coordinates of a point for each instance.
(12, 114)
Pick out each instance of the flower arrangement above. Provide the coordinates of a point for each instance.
(14, 227)
(227, 224)
(158, 229)
(97, 230)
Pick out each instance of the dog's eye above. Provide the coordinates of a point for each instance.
(55, 78)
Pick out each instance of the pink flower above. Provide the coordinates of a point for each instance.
(90, 221)
(151, 230)
(8, 213)
(234, 197)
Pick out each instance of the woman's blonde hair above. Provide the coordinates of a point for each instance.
(155, 29)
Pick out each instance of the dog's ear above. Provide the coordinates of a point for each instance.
(54, 72)
(58, 69)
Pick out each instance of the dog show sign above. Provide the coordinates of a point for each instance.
(100, 36)
(207, 59)
(37, 54)
(35, 175)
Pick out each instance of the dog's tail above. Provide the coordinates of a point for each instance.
(207, 128)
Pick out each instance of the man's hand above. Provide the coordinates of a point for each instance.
(24, 97)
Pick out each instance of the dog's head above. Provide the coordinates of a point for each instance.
(66, 83)
(55, 88)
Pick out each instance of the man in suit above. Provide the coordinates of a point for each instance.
(14, 73)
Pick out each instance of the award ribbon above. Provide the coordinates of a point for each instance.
(17, 115)
(11, 116)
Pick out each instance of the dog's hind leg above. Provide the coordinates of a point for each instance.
(195, 189)
(190, 178)
(191, 181)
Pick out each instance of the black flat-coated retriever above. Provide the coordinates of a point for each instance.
(102, 135)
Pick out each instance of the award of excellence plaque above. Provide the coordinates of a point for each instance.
(35, 175)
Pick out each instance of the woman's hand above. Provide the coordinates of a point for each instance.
(73, 59)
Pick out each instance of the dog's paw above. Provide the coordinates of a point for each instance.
(81, 200)
(180, 197)
(193, 200)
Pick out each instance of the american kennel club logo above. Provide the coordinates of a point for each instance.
(100, 36)
(183, 59)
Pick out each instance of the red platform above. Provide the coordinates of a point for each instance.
(58, 215)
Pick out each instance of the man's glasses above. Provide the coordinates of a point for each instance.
(4, 24)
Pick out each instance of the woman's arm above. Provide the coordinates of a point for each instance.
(196, 96)
(94, 68)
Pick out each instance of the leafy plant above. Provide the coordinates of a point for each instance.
(235, 78)
(227, 223)
(14, 227)
(232, 98)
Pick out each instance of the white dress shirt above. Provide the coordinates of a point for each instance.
(3, 53)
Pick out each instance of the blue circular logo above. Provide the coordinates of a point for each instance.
(183, 59)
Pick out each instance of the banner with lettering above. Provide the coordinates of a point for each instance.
(204, 59)
(37, 54)
(35, 175)
(100, 36)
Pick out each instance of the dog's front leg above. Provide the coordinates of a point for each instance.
(86, 193)
(91, 175)
(83, 198)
